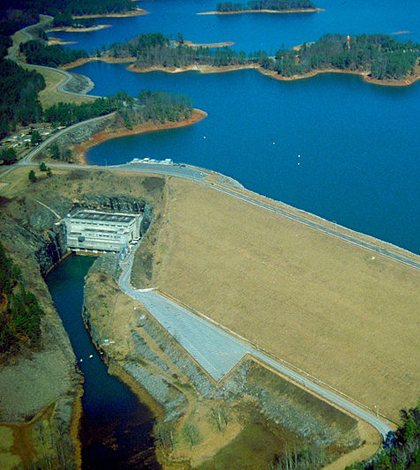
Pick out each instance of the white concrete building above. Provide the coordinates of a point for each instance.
(101, 231)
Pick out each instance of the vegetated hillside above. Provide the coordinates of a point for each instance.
(274, 5)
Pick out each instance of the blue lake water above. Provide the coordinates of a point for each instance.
(358, 143)
(252, 32)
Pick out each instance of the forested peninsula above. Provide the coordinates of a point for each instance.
(378, 57)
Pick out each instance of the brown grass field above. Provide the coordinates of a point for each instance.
(341, 313)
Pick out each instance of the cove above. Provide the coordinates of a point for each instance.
(115, 428)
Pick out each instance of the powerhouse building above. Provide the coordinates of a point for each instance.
(101, 231)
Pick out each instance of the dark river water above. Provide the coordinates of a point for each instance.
(357, 145)
(115, 429)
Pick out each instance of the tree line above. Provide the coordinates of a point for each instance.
(274, 5)
(65, 114)
(38, 53)
(20, 313)
(75, 7)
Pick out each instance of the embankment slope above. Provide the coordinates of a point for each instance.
(329, 307)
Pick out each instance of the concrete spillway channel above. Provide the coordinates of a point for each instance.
(218, 351)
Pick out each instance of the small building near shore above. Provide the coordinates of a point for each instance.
(89, 230)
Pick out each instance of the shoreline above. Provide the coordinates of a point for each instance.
(210, 45)
(192, 68)
(72, 29)
(240, 12)
(108, 60)
(364, 75)
(136, 12)
(81, 149)
(209, 69)
(233, 68)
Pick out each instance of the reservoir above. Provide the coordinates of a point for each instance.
(115, 428)
(358, 143)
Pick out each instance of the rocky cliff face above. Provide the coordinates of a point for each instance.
(103, 202)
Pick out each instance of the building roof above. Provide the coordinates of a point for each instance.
(103, 217)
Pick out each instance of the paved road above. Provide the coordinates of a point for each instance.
(218, 351)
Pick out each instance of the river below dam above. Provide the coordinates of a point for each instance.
(115, 428)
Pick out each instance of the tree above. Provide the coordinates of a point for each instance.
(192, 435)
(36, 137)
(32, 176)
(43, 167)
(8, 156)
(55, 151)
(49, 172)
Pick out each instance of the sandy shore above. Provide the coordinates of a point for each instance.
(72, 29)
(54, 41)
(136, 12)
(240, 12)
(209, 45)
(193, 68)
(81, 149)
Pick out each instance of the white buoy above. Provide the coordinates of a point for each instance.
(90, 357)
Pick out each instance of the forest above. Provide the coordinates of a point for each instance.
(18, 96)
(38, 53)
(20, 313)
(274, 5)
